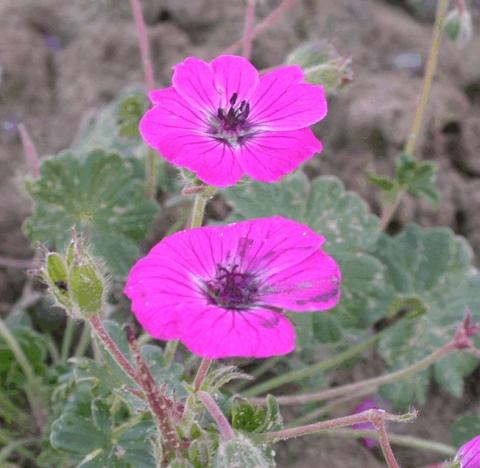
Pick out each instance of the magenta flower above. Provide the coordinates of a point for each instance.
(468, 455)
(222, 120)
(221, 290)
(364, 406)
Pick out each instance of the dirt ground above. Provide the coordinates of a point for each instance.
(60, 60)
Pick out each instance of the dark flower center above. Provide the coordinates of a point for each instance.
(232, 289)
(231, 125)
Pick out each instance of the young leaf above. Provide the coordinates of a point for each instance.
(101, 197)
(240, 452)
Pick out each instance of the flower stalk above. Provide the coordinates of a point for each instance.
(263, 25)
(201, 373)
(389, 208)
(224, 427)
(460, 341)
(160, 406)
(112, 347)
(248, 28)
(377, 417)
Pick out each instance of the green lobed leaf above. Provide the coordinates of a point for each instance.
(101, 197)
(430, 270)
(350, 229)
(417, 177)
(240, 452)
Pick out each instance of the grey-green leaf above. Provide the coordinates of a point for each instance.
(102, 197)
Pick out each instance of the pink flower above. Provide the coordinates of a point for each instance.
(221, 290)
(364, 406)
(468, 455)
(222, 120)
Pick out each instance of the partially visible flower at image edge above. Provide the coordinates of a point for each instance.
(468, 455)
(223, 120)
(222, 290)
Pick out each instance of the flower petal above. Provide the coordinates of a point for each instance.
(219, 333)
(193, 79)
(171, 113)
(234, 74)
(312, 284)
(283, 102)
(267, 156)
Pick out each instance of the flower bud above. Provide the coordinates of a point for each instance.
(459, 26)
(468, 455)
(86, 286)
(323, 65)
(56, 276)
(75, 281)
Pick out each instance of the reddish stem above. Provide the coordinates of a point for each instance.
(30, 151)
(379, 424)
(113, 348)
(143, 43)
(265, 24)
(224, 427)
(248, 28)
(159, 404)
(201, 373)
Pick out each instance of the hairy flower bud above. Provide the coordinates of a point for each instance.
(75, 281)
(323, 65)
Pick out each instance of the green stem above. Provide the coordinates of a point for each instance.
(323, 366)
(389, 208)
(31, 385)
(151, 168)
(169, 352)
(400, 440)
(67, 339)
(442, 7)
(52, 348)
(84, 341)
(369, 385)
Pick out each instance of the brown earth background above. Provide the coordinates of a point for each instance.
(61, 60)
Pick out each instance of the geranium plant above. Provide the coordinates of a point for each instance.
(183, 355)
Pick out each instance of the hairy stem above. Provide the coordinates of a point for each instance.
(337, 423)
(248, 28)
(159, 405)
(379, 425)
(224, 427)
(84, 341)
(201, 373)
(263, 25)
(67, 339)
(369, 385)
(112, 347)
(296, 375)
